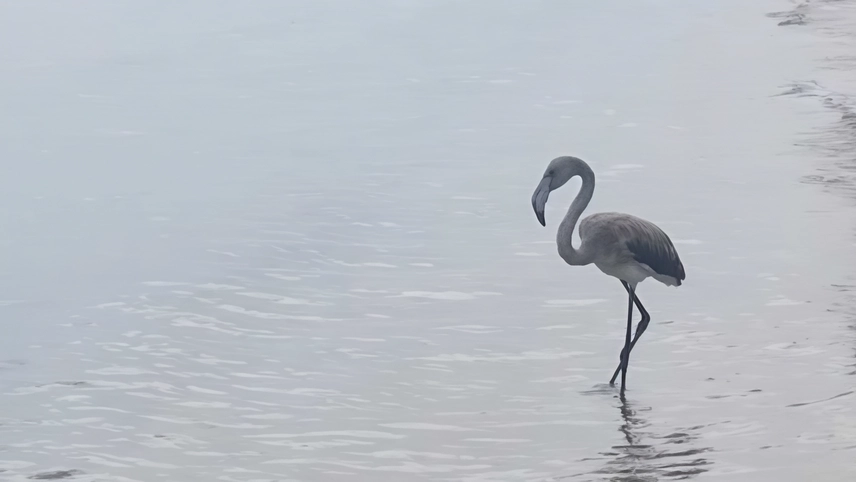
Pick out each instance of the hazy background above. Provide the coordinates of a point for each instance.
(268, 241)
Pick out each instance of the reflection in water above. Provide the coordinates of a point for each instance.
(650, 457)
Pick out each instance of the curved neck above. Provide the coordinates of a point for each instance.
(566, 228)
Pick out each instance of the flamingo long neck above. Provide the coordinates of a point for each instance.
(565, 234)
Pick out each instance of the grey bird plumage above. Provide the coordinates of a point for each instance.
(621, 245)
(634, 239)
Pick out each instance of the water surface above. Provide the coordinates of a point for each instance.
(293, 241)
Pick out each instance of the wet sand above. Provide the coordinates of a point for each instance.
(294, 241)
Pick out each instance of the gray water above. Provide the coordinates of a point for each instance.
(270, 241)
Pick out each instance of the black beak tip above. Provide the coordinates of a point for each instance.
(541, 220)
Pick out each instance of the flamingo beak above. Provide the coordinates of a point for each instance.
(539, 198)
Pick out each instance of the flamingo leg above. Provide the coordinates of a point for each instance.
(643, 325)
(625, 352)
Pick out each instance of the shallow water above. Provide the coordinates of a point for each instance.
(293, 241)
